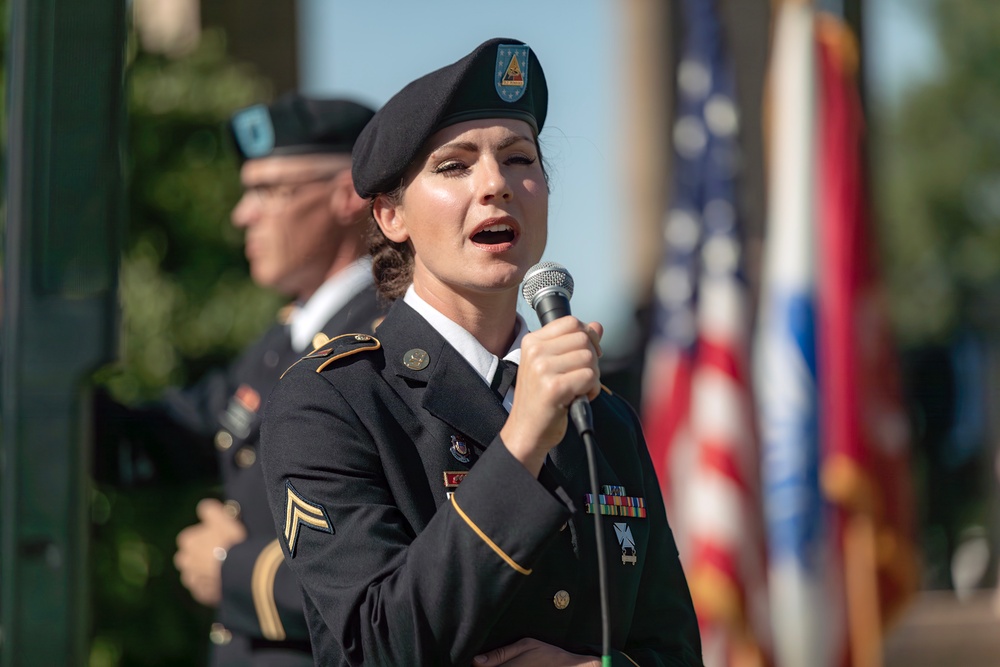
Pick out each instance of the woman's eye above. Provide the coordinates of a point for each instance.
(450, 166)
(520, 159)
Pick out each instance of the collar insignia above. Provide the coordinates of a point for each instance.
(416, 359)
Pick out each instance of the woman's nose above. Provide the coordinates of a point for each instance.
(494, 182)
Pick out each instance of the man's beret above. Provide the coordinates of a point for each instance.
(298, 125)
(501, 78)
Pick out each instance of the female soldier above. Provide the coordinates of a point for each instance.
(426, 524)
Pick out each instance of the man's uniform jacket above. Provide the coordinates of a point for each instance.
(215, 427)
(404, 562)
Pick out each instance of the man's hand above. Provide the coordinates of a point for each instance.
(533, 653)
(201, 548)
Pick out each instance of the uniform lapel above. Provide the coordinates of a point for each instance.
(456, 394)
(453, 391)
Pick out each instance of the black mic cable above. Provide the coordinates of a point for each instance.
(548, 288)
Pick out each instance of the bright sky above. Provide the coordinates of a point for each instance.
(901, 47)
(371, 49)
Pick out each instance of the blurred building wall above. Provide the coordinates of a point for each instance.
(260, 32)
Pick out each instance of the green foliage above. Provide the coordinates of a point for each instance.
(938, 187)
(187, 305)
(187, 302)
(142, 615)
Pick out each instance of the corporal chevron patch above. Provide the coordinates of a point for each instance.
(301, 512)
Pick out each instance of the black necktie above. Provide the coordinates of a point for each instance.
(504, 378)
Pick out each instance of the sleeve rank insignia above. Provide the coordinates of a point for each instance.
(300, 512)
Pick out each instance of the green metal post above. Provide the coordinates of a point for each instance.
(63, 186)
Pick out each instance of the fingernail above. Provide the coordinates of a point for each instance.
(480, 659)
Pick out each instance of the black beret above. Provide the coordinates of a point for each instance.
(501, 78)
(298, 125)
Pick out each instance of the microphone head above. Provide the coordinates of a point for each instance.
(546, 278)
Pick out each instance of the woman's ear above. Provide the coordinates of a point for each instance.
(389, 217)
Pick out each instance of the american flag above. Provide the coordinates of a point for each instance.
(698, 412)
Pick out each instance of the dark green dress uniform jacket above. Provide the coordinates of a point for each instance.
(214, 427)
(360, 447)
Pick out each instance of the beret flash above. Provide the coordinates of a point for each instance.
(501, 78)
(298, 125)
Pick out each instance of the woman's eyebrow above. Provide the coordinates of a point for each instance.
(459, 145)
(472, 146)
(513, 139)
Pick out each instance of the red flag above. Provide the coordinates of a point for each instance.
(864, 433)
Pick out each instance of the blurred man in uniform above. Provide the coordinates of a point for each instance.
(305, 232)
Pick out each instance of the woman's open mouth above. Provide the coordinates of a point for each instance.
(496, 234)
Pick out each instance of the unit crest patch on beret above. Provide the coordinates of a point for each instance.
(295, 124)
(253, 131)
(512, 71)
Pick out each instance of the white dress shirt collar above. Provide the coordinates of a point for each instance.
(308, 319)
(482, 360)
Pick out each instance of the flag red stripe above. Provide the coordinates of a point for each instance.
(721, 459)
